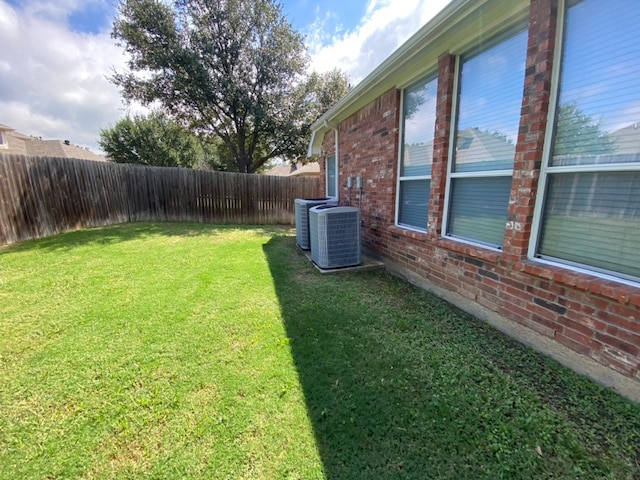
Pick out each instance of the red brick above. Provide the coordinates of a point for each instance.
(587, 320)
(517, 295)
(617, 343)
(624, 363)
(576, 326)
(549, 324)
(623, 295)
(537, 327)
(578, 346)
(543, 312)
(511, 310)
(624, 317)
(582, 338)
(595, 287)
(542, 293)
(627, 337)
(615, 363)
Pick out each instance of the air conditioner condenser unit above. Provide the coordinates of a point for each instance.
(302, 206)
(335, 236)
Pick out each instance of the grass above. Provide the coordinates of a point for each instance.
(191, 351)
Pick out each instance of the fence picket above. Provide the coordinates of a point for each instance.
(41, 196)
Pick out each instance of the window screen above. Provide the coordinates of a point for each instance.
(416, 157)
(488, 117)
(590, 220)
(591, 215)
(414, 203)
(332, 186)
(478, 209)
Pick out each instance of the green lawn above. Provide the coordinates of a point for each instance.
(193, 351)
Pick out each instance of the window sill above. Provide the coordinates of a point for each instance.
(470, 250)
(618, 291)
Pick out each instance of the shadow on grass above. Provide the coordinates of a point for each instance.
(399, 384)
(133, 231)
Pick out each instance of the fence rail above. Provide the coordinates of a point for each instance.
(42, 196)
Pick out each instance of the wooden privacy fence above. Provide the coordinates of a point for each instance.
(43, 196)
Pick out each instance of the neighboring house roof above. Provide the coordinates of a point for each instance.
(58, 148)
(456, 26)
(12, 141)
(21, 144)
(311, 169)
(627, 139)
(475, 150)
(474, 146)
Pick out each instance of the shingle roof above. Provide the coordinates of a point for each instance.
(300, 170)
(21, 144)
(57, 148)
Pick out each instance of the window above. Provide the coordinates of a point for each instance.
(3, 143)
(332, 177)
(416, 155)
(590, 216)
(487, 120)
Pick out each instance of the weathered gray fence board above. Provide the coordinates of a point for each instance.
(43, 196)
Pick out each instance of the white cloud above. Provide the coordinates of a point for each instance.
(59, 9)
(387, 24)
(54, 80)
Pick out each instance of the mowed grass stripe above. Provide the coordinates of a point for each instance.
(152, 351)
(194, 351)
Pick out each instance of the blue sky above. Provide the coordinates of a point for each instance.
(93, 16)
(342, 14)
(56, 56)
(90, 17)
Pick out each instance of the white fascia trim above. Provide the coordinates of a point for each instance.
(311, 149)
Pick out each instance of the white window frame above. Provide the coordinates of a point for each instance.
(409, 178)
(547, 169)
(452, 146)
(326, 170)
(333, 158)
(451, 174)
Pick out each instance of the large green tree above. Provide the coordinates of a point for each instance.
(231, 69)
(159, 141)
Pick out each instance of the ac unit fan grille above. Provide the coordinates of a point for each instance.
(335, 237)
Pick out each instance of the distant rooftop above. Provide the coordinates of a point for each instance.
(311, 169)
(12, 141)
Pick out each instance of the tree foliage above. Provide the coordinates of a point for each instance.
(231, 69)
(159, 141)
(578, 133)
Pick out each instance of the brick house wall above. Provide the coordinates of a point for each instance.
(590, 315)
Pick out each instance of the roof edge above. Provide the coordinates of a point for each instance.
(390, 63)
